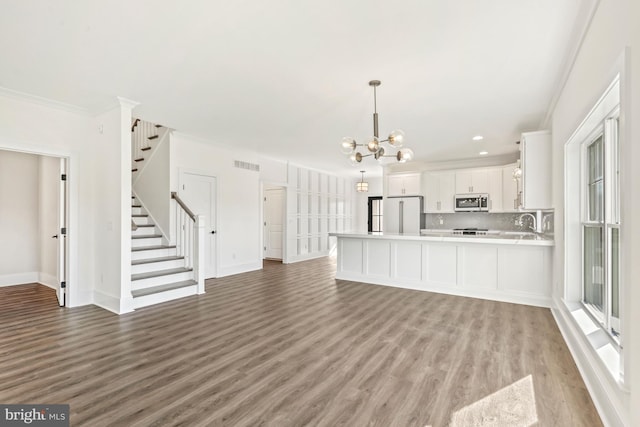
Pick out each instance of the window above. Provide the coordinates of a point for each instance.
(375, 214)
(601, 225)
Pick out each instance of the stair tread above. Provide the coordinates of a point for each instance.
(159, 259)
(134, 170)
(139, 159)
(136, 206)
(160, 273)
(163, 288)
(152, 248)
(145, 225)
(146, 148)
(152, 137)
(148, 236)
(139, 215)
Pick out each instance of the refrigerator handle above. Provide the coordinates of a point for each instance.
(401, 226)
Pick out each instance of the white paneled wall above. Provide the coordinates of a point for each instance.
(317, 204)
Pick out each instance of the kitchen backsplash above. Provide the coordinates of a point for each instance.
(491, 221)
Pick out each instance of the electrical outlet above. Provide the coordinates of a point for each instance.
(441, 221)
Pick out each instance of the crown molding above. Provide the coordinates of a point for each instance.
(579, 33)
(45, 102)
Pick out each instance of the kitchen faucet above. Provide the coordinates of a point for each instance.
(534, 220)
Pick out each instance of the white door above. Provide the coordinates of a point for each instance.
(199, 194)
(61, 291)
(273, 222)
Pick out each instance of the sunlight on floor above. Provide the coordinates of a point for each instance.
(514, 405)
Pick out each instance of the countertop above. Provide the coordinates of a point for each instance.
(503, 238)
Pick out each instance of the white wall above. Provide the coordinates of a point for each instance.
(39, 126)
(596, 65)
(152, 184)
(238, 199)
(19, 257)
(48, 203)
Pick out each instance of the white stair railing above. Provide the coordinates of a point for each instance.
(189, 235)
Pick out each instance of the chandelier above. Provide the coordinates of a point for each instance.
(374, 145)
(362, 187)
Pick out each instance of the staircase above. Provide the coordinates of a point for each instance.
(158, 273)
(143, 135)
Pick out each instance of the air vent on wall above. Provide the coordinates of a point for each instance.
(246, 165)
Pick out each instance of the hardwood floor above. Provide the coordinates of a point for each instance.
(290, 346)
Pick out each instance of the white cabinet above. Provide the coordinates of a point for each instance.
(439, 189)
(403, 185)
(535, 161)
(472, 181)
(494, 189)
(509, 189)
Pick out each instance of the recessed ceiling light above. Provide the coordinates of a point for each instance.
(478, 138)
(483, 153)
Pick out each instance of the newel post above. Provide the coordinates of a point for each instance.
(199, 255)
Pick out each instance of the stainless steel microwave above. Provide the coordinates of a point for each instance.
(471, 203)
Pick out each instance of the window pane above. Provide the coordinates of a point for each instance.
(594, 154)
(596, 201)
(593, 268)
(615, 271)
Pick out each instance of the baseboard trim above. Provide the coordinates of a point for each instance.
(108, 302)
(609, 399)
(48, 280)
(298, 258)
(19, 278)
(240, 268)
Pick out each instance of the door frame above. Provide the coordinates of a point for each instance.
(285, 252)
(71, 207)
(172, 218)
(370, 212)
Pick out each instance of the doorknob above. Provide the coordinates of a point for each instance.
(54, 237)
(213, 232)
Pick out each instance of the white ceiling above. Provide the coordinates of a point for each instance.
(289, 78)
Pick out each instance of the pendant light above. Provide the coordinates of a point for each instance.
(362, 187)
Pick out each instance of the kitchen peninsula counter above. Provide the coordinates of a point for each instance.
(513, 267)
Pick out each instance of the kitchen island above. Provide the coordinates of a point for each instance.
(513, 267)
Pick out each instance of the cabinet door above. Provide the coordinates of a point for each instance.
(447, 189)
(509, 189)
(494, 177)
(479, 181)
(395, 185)
(464, 182)
(411, 184)
(430, 192)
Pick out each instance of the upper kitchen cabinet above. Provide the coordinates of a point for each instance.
(535, 161)
(405, 184)
(439, 189)
(472, 181)
(494, 189)
(509, 189)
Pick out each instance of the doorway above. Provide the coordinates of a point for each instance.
(374, 216)
(199, 193)
(274, 222)
(33, 222)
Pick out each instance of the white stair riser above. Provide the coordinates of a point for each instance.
(141, 220)
(149, 241)
(136, 211)
(154, 253)
(144, 231)
(159, 297)
(160, 280)
(156, 266)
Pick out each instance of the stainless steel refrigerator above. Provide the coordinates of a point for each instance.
(403, 215)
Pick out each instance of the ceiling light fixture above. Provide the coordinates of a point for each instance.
(374, 144)
(478, 138)
(362, 187)
(483, 153)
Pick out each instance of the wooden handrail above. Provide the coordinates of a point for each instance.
(135, 123)
(175, 196)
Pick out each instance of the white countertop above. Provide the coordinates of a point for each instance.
(503, 238)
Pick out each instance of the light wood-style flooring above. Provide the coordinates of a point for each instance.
(291, 346)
